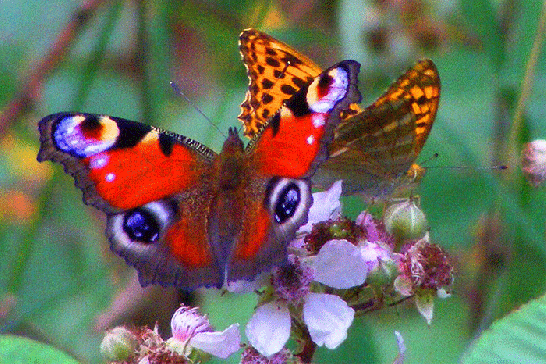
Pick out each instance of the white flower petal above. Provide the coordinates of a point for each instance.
(373, 252)
(269, 328)
(326, 206)
(339, 264)
(327, 318)
(187, 321)
(443, 293)
(218, 343)
(401, 348)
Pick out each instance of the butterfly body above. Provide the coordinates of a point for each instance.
(186, 216)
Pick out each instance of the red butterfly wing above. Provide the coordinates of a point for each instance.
(121, 164)
(154, 186)
(285, 153)
(295, 141)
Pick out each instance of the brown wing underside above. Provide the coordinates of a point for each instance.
(375, 148)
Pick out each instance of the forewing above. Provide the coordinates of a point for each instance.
(275, 71)
(296, 140)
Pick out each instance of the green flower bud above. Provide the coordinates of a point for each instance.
(118, 344)
(405, 220)
(383, 274)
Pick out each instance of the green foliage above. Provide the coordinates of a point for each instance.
(517, 338)
(16, 349)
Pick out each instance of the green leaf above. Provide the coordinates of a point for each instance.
(481, 17)
(517, 338)
(18, 349)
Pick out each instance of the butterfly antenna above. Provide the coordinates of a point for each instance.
(493, 168)
(434, 156)
(180, 93)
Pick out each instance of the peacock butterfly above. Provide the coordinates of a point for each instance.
(186, 216)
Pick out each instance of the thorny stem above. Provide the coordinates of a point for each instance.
(374, 305)
(306, 345)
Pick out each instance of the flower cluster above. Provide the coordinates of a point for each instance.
(339, 267)
(336, 268)
(193, 339)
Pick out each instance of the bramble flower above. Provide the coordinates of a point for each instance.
(327, 317)
(427, 266)
(269, 328)
(192, 330)
(374, 230)
(344, 264)
(425, 271)
(142, 345)
(382, 267)
(340, 264)
(337, 253)
(533, 162)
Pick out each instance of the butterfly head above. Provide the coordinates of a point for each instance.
(233, 143)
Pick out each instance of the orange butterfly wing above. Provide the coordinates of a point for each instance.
(276, 71)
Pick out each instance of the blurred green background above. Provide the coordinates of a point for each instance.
(60, 284)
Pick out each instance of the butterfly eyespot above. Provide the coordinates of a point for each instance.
(85, 135)
(289, 199)
(325, 81)
(141, 225)
(145, 224)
